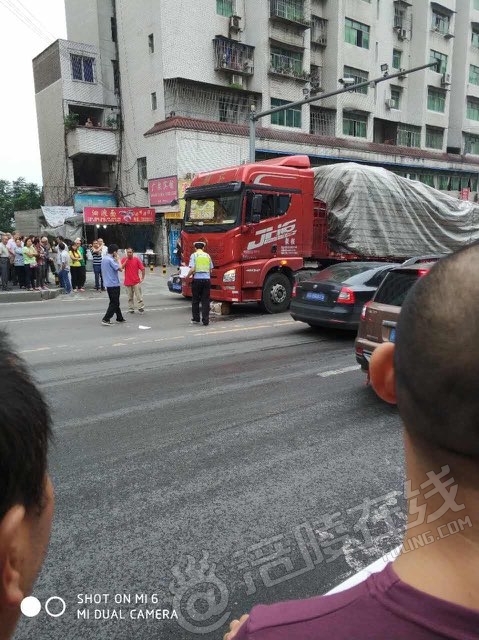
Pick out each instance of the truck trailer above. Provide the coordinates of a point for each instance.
(264, 222)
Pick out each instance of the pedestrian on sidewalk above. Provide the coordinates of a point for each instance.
(200, 268)
(19, 264)
(64, 268)
(75, 266)
(82, 272)
(4, 262)
(134, 276)
(110, 266)
(97, 255)
(30, 259)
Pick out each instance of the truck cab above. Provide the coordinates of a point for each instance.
(257, 222)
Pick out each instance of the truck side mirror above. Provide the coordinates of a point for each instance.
(257, 204)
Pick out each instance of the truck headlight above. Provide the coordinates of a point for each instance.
(229, 276)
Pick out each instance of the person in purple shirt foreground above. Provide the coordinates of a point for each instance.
(431, 591)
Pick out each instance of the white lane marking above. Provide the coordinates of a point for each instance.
(35, 350)
(76, 315)
(337, 372)
(362, 575)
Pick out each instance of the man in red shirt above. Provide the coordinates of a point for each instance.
(134, 275)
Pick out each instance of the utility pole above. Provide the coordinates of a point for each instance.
(254, 117)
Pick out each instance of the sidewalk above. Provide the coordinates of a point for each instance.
(17, 295)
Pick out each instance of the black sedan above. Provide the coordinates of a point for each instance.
(334, 297)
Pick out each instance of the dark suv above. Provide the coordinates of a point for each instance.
(379, 315)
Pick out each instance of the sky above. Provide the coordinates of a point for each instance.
(27, 27)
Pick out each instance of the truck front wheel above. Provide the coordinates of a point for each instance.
(276, 293)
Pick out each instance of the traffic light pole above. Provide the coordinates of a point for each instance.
(254, 117)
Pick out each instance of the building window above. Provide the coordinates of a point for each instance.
(434, 138)
(82, 68)
(224, 7)
(229, 109)
(472, 109)
(475, 4)
(397, 58)
(355, 124)
(475, 38)
(322, 122)
(473, 74)
(436, 99)
(399, 16)
(151, 43)
(288, 9)
(440, 59)
(359, 76)
(395, 97)
(356, 33)
(427, 178)
(141, 164)
(154, 103)
(286, 118)
(113, 29)
(408, 136)
(440, 22)
(471, 144)
(288, 62)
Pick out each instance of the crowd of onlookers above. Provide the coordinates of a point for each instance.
(33, 263)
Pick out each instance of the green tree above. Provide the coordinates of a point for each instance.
(18, 195)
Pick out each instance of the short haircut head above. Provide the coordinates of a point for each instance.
(61, 246)
(437, 356)
(199, 244)
(112, 248)
(25, 431)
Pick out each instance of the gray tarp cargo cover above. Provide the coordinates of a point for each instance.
(373, 212)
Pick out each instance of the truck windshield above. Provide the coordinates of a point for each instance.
(220, 211)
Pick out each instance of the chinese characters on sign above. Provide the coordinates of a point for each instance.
(118, 215)
(163, 191)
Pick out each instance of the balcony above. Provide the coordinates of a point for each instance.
(289, 12)
(233, 56)
(316, 79)
(293, 37)
(92, 141)
(319, 31)
(287, 67)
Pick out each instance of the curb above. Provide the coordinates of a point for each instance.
(29, 296)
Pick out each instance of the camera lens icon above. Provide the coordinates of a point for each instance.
(54, 606)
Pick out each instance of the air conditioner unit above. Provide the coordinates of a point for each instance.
(235, 23)
(389, 103)
(143, 183)
(445, 79)
(402, 34)
(403, 76)
(237, 79)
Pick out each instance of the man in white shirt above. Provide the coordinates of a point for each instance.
(4, 262)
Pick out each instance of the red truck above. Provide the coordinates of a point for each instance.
(263, 222)
(260, 222)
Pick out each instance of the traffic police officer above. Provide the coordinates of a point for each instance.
(200, 268)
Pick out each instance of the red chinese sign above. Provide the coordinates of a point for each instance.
(118, 215)
(163, 191)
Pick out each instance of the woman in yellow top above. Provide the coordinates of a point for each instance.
(75, 266)
(30, 261)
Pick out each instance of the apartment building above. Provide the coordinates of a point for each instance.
(169, 86)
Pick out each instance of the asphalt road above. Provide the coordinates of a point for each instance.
(201, 470)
